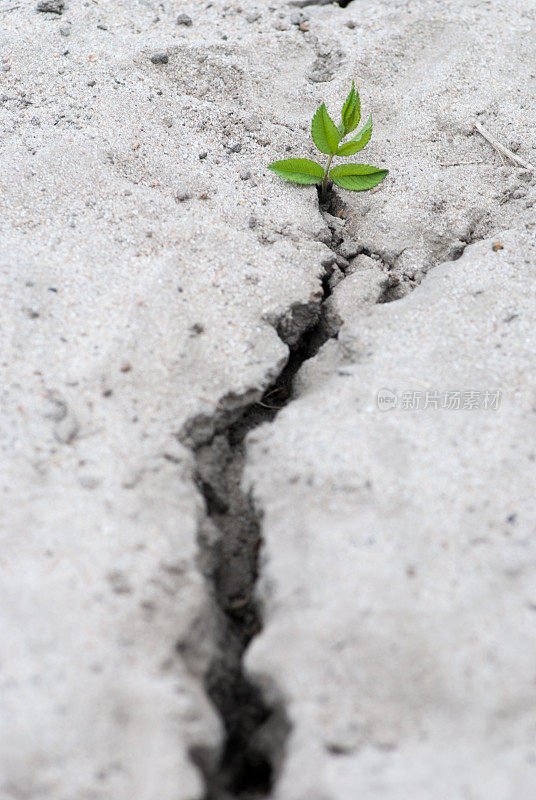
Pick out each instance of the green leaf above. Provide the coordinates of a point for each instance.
(324, 132)
(299, 170)
(357, 177)
(358, 142)
(347, 106)
(351, 111)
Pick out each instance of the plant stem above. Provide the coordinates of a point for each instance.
(325, 178)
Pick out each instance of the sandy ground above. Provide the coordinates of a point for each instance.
(156, 279)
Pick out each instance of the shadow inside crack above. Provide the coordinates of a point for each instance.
(255, 732)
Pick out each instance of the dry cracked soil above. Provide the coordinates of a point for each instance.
(268, 466)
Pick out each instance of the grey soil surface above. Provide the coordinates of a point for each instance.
(267, 468)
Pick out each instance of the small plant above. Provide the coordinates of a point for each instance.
(328, 138)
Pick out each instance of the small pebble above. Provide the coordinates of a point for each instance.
(350, 249)
(329, 261)
(160, 58)
(65, 30)
(342, 263)
(497, 246)
(52, 6)
(234, 147)
(350, 24)
(245, 175)
(337, 276)
(184, 19)
(182, 194)
(202, 155)
(89, 481)
(253, 16)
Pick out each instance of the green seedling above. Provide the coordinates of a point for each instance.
(329, 140)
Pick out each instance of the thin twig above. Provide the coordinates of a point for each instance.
(459, 163)
(501, 148)
(265, 405)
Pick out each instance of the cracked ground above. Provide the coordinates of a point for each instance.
(268, 469)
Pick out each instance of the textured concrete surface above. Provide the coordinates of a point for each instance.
(150, 268)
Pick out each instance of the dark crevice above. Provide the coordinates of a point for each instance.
(395, 286)
(245, 766)
(231, 537)
(331, 202)
(255, 733)
(304, 3)
(245, 769)
(230, 541)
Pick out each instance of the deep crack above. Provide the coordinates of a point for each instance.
(245, 769)
(255, 734)
(304, 3)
